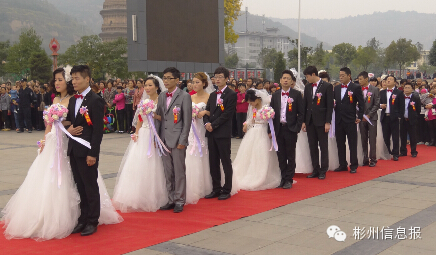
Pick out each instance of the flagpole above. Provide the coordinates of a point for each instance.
(299, 37)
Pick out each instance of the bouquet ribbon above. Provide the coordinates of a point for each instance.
(273, 134)
(59, 127)
(157, 138)
(197, 139)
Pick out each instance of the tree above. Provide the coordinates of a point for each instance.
(432, 55)
(318, 56)
(373, 43)
(279, 66)
(365, 57)
(102, 57)
(402, 52)
(4, 51)
(419, 46)
(344, 53)
(19, 53)
(231, 61)
(267, 58)
(305, 55)
(231, 13)
(40, 66)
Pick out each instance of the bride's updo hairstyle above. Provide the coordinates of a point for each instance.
(156, 83)
(203, 78)
(52, 88)
(250, 95)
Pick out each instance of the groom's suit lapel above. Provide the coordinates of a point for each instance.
(223, 96)
(317, 91)
(72, 109)
(278, 106)
(85, 102)
(173, 99)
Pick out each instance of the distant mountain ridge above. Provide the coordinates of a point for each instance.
(385, 27)
(255, 25)
(85, 11)
(47, 21)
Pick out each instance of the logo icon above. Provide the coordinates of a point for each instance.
(335, 231)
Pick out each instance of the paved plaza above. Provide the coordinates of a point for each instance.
(401, 205)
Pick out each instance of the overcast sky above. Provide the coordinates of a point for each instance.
(334, 9)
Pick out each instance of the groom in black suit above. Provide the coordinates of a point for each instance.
(318, 109)
(84, 161)
(347, 96)
(222, 106)
(289, 114)
(392, 105)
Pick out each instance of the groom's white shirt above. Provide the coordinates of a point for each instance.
(79, 101)
(284, 101)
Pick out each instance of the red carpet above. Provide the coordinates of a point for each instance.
(140, 230)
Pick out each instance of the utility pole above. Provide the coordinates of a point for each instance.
(246, 38)
(299, 38)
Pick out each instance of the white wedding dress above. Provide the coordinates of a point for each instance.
(198, 179)
(255, 166)
(141, 185)
(40, 209)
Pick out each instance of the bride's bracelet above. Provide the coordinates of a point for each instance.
(40, 143)
(133, 136)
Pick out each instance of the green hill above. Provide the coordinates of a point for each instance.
(48, 22)
(86, 11)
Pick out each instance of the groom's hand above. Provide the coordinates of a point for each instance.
(327, 127)
(75, 131)
(90, 160)
(209, 127)
(181, 147)
(303, 127)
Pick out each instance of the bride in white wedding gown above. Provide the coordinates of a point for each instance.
(141, 184)
(46, 206)
(255, 166)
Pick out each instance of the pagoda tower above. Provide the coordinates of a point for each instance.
(114, 15)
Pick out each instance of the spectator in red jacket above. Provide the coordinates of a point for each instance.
(241, 109)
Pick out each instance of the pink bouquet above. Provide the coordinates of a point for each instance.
(195, 110)
(146, 106)
(54, 113)
(267, 113)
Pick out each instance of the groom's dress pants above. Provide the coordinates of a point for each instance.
(219, 151)
(344, 131)
(175, 174)
(86, 179)
(316, 135)
(286, 141)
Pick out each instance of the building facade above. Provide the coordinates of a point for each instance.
(114, 15)
(250, 44)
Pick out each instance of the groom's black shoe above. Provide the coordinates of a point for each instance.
(78, 228)
(178, 208)
(287, 185)
(321, 176)
(282, 182)
(313, 175)
(224, 196)
(341, 169)
(213, 194)
(353, 170)
(89, 230)
(167, 207)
